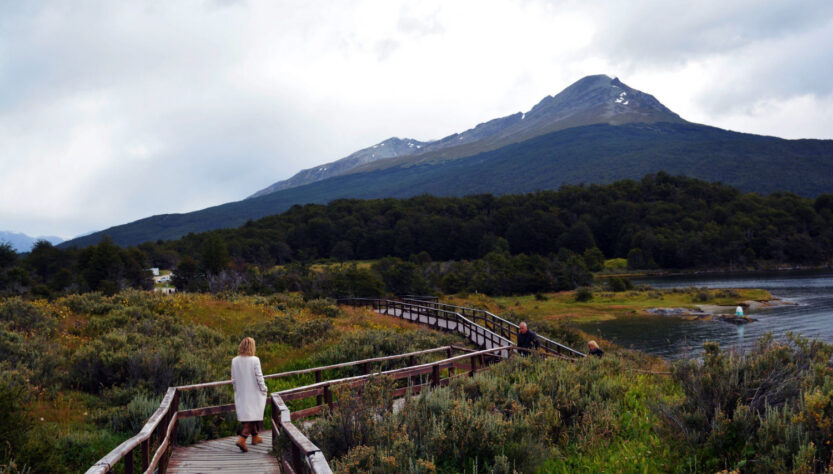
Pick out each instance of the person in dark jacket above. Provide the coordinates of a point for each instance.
(527, 339)
(594, 349)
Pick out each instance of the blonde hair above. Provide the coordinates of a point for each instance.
(246, 347)
(593, 345)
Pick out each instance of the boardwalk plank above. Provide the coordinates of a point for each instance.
(222, 455)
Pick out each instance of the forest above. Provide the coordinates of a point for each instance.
(542, 241)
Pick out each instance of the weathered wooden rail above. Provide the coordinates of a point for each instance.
(495, 323)
(493, 332)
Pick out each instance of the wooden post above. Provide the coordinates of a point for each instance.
(318, 399)
(449, 353)
(414, 378)
(366, 368)
(297, 462)
(435, 375)
(328, 396)
(473, 366)
(145, 454)
(128, 462)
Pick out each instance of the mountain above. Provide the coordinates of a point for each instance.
(23, 243)
(390, 148)
(590, 100)
(598, 130)
(599, 153)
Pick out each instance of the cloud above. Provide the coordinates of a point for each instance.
(113, 111)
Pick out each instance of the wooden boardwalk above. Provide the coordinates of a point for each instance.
(221, 455)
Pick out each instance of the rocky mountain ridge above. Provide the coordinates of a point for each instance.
(591, 100)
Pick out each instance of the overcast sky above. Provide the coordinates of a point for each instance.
(114, 111)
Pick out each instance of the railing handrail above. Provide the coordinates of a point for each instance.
(505, 321)
(319, 369)
(458, 315)
(441, 363)
(106, 463)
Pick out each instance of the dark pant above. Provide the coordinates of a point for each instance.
(251, 428)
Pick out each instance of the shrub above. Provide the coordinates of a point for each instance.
(24, 316)
(325, 307)
(584, 294)
(767, 410)
(619, 284)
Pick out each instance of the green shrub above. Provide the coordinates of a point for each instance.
(288, 330)
(14, 393)
(325, 307)
(764, 410)
(619, 284)
(133, 417)
(584, 294)
(24, 316)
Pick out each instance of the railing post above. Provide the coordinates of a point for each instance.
(473, 366)
(435, 375)
(366, 367)
(414, 378)
(145, 454)
(449, 353)
(319, 398)
(328, 396)
(128, 462)
(297, 461)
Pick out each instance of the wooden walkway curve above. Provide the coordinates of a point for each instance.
(221, 455)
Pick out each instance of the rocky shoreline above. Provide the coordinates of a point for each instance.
(714, 312)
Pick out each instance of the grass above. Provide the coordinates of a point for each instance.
(605, 305)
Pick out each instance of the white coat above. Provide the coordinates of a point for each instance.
(249, 388)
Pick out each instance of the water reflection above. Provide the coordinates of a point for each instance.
(671, 337)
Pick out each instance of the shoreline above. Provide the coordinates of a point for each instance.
(713, 271)
(720, 312)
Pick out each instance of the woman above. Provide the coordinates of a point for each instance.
(249, 392)
(595, 349)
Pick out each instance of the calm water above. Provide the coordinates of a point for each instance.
(671, 337)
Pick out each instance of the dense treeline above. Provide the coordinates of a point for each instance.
(658, 222)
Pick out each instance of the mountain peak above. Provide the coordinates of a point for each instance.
(601, 99)
(594, 99)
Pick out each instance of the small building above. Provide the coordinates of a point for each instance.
(154, 270)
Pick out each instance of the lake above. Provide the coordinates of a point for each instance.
(673, 338)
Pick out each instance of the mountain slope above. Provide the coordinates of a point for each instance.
(390, 148)
(23, 243)
(589, 154)
(590, 100)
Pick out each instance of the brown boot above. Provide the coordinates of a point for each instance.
(256, 439)
(241, 443)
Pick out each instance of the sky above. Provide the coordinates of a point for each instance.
(115, 111)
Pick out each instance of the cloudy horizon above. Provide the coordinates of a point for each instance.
(111, 112)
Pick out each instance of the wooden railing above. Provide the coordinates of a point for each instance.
(160, 429)
(481, 327)
(435, 318)
(504, 328)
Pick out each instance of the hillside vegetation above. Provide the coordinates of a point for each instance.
(766, 411)
(544, 241)
(82, 373)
